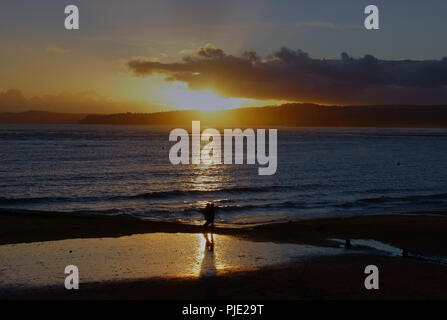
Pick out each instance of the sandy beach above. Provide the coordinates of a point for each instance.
(338, 276)
(215, 151)
(424, 234)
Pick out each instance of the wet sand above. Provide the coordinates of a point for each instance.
(321, 278)
(420, 234)
(330, 277)
(40, 264)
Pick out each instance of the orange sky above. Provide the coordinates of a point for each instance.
(84, 71)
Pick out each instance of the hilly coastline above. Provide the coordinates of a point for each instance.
(294, 115)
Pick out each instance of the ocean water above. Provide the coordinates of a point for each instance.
(125, 170)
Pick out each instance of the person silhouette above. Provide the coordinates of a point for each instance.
(212, 213)
(209, 214)
(205, 213)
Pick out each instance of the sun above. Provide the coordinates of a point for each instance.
(179, 96)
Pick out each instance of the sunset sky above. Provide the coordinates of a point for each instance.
(157, 55)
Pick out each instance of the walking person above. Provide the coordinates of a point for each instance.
(209, 213)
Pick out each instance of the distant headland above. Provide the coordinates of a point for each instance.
(291, 115)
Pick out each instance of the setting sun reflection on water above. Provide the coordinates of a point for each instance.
(140, 256)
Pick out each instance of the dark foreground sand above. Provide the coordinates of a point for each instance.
(322, 278)
(340, 277)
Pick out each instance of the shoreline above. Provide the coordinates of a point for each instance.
(421, 234)
(401, 278)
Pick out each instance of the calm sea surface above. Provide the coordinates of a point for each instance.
(125, 170)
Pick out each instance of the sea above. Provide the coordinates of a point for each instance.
(125, 170)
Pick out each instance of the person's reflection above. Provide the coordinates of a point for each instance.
(208, 267)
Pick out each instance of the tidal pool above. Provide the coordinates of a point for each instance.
(141, 256)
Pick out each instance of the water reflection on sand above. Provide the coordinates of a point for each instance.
(141, 256)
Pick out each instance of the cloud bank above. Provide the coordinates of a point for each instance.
(295, 76)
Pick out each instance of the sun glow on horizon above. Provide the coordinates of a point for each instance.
(181, 97)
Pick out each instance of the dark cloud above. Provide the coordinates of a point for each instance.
(210, 52)
(295, 76)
